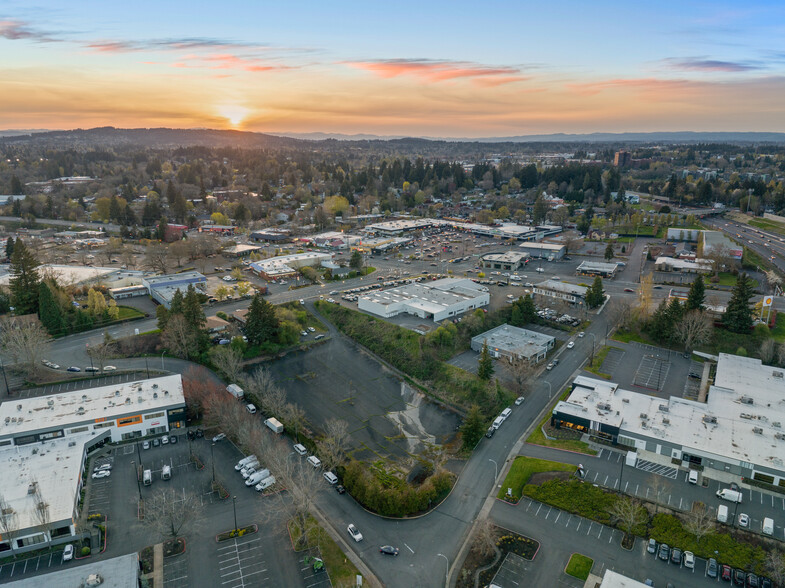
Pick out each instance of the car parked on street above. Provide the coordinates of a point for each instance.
(73, 368)
(519, 400)
(571, 344)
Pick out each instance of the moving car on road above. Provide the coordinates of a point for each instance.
(388, 550)
(355, 533)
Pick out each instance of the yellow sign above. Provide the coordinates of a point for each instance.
(767, 301)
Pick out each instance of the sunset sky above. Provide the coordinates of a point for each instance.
(439, 69)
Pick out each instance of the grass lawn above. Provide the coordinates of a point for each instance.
(626, 336)
(579, 566)
(767, 224)
(538, 438)
(126, 312)
(778, 332)
(594, 367)
(728, 279)
(523, 468)
(342, 571)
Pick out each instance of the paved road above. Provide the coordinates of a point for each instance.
(67, 223)
(768, 244)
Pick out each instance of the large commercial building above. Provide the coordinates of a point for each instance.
(116, 572)
(437, 301)
(597, 268)
(571, 293)
(739, 430)
(509, 261)
(685, 266)
(162, 288)
(550, 251)
(285, 266)
(514, 343)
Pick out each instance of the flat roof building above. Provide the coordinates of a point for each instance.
(128, 410)
(738, 430)
(543, 250)
(240, 250)
(514, 342)
(162, 288)
(685, 266)
(711, 240)
(509, 260)
(117, 572)
(571, 293)
(437, 300)
(597, 268)
(271, 235)
(287, 265)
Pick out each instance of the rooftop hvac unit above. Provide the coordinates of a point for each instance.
(155, 395)
(50, 402)
(757, 430)
(155, 386)
(710, 419)
(776, 424)
(746, 400)
(666, 421)
(776, 374)
(139, 399)
(80, 410)
(117, 392)
(18, 407)
(780, 436)
(644, 416)
(625, 400)
(664, 408)
(746, 415)
(128, 400)
(166, 392)
(71, 443)
(604, 406)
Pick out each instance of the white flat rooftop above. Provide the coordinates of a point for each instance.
(69, 274)
(89, 405)
(117, 572)
(55, 465)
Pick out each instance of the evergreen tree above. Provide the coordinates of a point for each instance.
(176, 306)
(697, 295)
(16, 186)
(658, 321)
(673, 315)
(9, 247)
(261, 323)
(485, 369)
(162, 314)
(192, 308)
(49, 311)
(595, 295)
(114, 208)
(24, 279)
(738, 315)
(356, 260)
(516, 317)
(161, 230)
(473, 428)
(609, 252)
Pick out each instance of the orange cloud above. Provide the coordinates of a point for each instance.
(229, 61)
(646, 85)
(438, 71)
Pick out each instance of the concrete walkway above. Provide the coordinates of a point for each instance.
(158, 565)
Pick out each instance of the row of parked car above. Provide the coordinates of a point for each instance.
(713, 569)
(91, 369)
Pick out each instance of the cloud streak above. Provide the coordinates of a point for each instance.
(710, 65)
(17, 30)
(433, 70)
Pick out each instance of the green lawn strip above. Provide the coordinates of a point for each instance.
(595, 366)
(778, 332)
(341, 570)
(522, 470)
(538, 438)
(768, 225)
(127, 312)
(625, 336)
(579, 566)
(729, 279)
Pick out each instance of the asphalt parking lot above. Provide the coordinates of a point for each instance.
(41, 564)
(310, 578)
(241, 562)
(81, 384)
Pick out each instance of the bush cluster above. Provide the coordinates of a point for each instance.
(393, 497)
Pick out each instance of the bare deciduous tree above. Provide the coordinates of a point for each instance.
(773, 279)
(720, 258)
(522, 372)
(179, 251)
(271, 397)
(25, 341)
(41, 514)
(628, 513)
(179, 337)
(169, 513)
(646, 296)
(695, 328)
(229, 360)
(332, 448)
(781, 354)
(699, 522)
(767, 350)
(775, 566)
(486, 538)
(9, 523)
(294, 417)
(101, 352)
(156, 258)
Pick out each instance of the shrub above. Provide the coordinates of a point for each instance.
(85, 551)
(741, 351)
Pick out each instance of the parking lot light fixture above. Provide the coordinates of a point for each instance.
(447, 571)
(162, 359)
(234, 508)
(212, 459)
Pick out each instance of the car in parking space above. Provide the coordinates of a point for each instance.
(581, 334)
(555, 362)
(156, 442)
(744, 520)
(571, 344)
(388, 550)
(738, 577)
(676, 556)
(172, 438)
(726, 572)
(689, 559)
(664, 552)
(145, 445)
(103, 467)
(752, 581)
(519, 400)
(68, 552)
(164, 440)
(711, 568)
(355, 533)
(101, 474)
(652, 546)
(340, 489)
(73, 368)
(304, 333)
(693, 477)
(219, 437)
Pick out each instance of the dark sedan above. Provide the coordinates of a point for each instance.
(664, 552)
(388, 550)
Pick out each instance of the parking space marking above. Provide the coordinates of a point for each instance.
(655, 468)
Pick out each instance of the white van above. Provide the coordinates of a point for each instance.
(250, 408)
(693, 477)
(300, 449)
(314, 461)
(722, 513)
(166, 472)
(264, 484)
(728, 494)
(147, 477)
(330, 477)
(505, 413)
(244, 461)
(498, 422)
(768, 526)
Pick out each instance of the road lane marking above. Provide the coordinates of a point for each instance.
(409, 548)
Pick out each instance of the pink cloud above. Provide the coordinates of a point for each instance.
(437, 71)
(639, 84)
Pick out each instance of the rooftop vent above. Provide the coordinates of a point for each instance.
(71, 443)
(139, 399)
(757, 430)
(746, 415)
(603, 406)
(780, 436)
(666, 421)
(117, 392)
(80, 410)
(155, 386)
(746, 400)
(7, 420)
(50, 402)
(776, 374)
(625, 400)
(128, 400)
(776, 425)
(18, 407)
(31, 487)
(644, 416)
(166, 392)
(664, 408)
(710, 419)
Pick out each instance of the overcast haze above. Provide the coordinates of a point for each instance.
(446, 69)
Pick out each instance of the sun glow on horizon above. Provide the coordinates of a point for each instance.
(234, 113)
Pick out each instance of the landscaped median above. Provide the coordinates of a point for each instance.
(579, 566)
(522, 470)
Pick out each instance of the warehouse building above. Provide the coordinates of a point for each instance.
(550, 251)
(738, 430)
(436, 301)
(597, 268)
(116, 572)
(509, 261)
(162, 288)
(514, 343)
(285, 266)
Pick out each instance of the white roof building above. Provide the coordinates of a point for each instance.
(116, 572)
(287, 265)
(562, 290)
(671, 264)
(437, 301)
(740, 429)
(508, 341)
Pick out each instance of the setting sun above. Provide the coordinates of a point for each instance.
(234, 113)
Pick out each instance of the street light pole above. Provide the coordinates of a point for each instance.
(212, 459)
(447, 572)
(234, 507)
(495, 469)
(550, 390)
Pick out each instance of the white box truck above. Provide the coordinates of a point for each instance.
(257, 477)
(768, 526)
(166, 472)
(728, 494)
(147, 477)
(246, 460)
(722, 513)
(274, 425)
(265, 484)
(235, 391)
